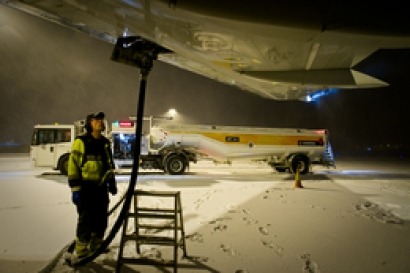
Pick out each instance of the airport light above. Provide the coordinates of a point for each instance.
(172, 112)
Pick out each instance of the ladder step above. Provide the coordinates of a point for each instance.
(151, 215)
(146, 261)
(158, 210)
(153, 226)
(156, 193)
(151, 240)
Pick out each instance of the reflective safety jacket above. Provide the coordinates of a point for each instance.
(90, 162)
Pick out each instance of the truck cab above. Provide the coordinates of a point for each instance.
(51, 144)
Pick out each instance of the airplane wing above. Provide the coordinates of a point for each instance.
(282, 50)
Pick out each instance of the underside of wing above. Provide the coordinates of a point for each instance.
(283, 51)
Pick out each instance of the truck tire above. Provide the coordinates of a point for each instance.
(175, 164)
(63, 164)
(301, 160)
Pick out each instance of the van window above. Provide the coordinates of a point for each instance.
(48, 136)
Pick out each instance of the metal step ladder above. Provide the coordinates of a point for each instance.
(158, 220)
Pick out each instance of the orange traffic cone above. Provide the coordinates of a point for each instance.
(298, 181)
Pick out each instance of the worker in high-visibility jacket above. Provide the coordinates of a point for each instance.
(91, 177)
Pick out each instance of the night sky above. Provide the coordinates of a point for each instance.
(52, 74)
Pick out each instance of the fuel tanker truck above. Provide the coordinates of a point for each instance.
(172, 147)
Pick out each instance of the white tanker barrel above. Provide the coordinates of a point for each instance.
(189, 141)
(226, 143)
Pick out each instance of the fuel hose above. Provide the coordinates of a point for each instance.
(133, 180)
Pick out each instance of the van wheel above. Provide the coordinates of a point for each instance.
(175, 164)
(63, 164)
(302, 161)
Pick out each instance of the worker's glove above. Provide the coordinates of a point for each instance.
(109, 178)
(112, 188)
(75, 197)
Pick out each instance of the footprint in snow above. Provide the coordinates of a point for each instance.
(263, 230)
(309, 266)
(196, 237)
(278, 249)
(373, 211)
(250, 221)
(227, 250)
(220, 227)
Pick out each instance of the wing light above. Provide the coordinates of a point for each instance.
(316, 95)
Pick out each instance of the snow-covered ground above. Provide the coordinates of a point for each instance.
(239, 218)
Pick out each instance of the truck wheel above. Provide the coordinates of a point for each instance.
(301, 160)
(63, 164)
(175, 164)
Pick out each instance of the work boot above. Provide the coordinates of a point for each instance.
(81, 249)
(95, 242)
